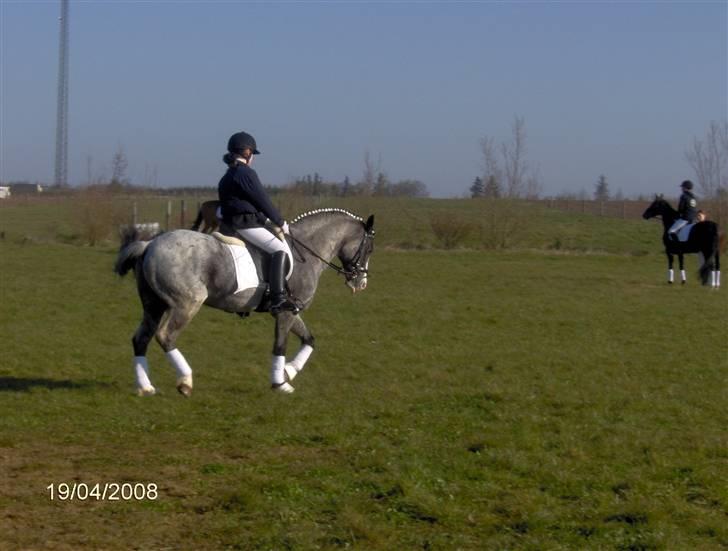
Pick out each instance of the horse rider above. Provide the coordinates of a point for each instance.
(245, 205)
(687, 210)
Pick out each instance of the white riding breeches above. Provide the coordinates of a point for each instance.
(263, 239)
(677, 225)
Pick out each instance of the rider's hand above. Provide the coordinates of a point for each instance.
(285, 229)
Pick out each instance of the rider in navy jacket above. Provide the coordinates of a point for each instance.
(687, 209)
(244, 202)
(245, 207)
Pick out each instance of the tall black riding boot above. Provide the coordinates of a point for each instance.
(279, 300)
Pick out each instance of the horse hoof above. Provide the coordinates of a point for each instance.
(290, 371)
(146, 391)
(284, 388)
(184, 386)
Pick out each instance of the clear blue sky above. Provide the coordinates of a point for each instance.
(613, 88)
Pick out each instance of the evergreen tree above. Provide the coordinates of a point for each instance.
(601, 189)
(477, 189)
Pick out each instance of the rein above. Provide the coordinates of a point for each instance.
(341, 270)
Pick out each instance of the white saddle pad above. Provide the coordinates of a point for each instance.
(684, 233)
(245, 272)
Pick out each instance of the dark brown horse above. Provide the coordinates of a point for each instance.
(207, 217)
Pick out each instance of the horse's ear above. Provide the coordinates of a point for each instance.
(370, 223)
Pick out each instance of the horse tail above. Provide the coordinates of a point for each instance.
(711, 255)
(129, 255)
(198, 221)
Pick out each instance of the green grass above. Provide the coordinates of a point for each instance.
(469, 399)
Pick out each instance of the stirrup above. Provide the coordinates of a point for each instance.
(287, 305)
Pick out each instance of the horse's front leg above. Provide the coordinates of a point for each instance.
(298, 362)
(683, 276)
(670, 271)
(284, 322)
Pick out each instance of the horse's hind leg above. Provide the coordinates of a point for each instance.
(715, 272)
(298, 362)
(683, 275)
(717, 269)
(176, 320)
(154, 309)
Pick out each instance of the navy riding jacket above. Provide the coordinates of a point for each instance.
(243, 201)
(687, 208)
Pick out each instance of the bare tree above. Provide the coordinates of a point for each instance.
(709, 159)
(371, 172)
(514, 157)
(491, 165)
(507, 164)
(119, 165)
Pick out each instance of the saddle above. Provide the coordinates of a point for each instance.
(228, 239)
(248, 273)
(683, 233)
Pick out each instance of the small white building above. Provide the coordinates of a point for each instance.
(4, 192)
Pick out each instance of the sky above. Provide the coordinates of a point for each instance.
(616, 88)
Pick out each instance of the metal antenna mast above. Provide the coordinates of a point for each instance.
(61, 177)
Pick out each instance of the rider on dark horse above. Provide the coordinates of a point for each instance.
(687, 210)
(245, 206)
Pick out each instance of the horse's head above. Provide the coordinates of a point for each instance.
(354, 256)
(659, 207)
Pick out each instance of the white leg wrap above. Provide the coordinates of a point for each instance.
(277, 375)
(293, 367)
(670, 275)
(184, 372)
(717, 278)
(177, 360)
(141, 368)
(683, 277)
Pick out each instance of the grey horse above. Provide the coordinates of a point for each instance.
(179, 271)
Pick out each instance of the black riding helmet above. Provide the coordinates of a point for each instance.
(241, 141)
(687, 184)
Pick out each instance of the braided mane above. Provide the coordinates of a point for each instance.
(323, 211)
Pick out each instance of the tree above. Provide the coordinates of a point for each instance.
(119, 165)
(345, 187)
(381, 185)
(477, 189)
(492, 189)
(514, 156)
(601, 189)
(507, 163)
(709, 159)
(371, 172)
(408, 188)
(491, 165)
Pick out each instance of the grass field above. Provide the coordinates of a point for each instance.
(538, 397)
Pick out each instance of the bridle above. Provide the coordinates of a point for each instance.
(350, 270)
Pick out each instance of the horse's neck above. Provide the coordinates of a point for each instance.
(326, 236)
(669, 216)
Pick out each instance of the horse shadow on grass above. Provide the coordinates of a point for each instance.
(25, 384)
